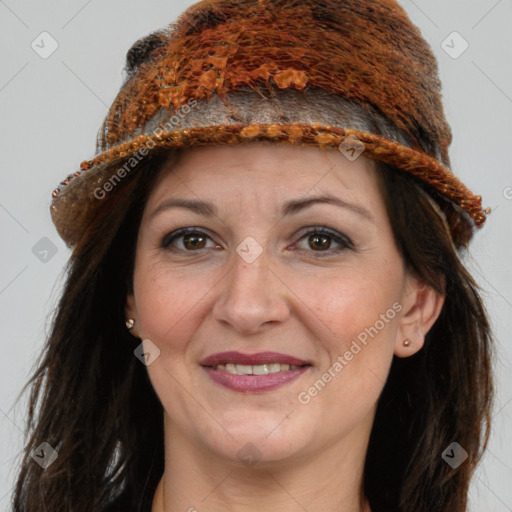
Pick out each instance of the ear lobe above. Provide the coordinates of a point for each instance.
(423, 308)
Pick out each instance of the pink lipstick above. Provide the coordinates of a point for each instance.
(253, 373)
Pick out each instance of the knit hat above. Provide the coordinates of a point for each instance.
(365, 53)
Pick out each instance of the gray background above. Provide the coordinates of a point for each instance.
(51, 109)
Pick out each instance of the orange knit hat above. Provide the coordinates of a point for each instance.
(365, 51)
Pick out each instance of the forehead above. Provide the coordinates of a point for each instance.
(269, 171)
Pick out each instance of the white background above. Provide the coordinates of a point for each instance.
(51, 109)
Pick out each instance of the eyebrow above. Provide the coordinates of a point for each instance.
(290, 208)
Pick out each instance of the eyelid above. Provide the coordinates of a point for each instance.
(178, 233)
(342, 240)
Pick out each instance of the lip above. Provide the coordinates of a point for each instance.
(253, 383)
(252, 359)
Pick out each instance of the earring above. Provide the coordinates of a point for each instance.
(407, 342)
(130, 323)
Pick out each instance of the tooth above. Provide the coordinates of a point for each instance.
(256, 369)
(231, 368)
(260, 369)
(274, 367)
(244, 369)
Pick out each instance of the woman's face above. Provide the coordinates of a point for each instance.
(274, 319)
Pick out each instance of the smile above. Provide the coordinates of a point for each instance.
(256, 369)
(253, 373)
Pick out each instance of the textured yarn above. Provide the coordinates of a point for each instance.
(367, 52)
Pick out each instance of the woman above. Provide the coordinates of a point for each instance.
(266, 307)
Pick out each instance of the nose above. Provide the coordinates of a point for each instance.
(252, 295)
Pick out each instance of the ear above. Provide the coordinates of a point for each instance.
(422, 305)
(130, 312)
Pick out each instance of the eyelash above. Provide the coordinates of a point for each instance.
(342, 240)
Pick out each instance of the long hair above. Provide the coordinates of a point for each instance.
(444, 393)
(92, 400)
(97, 407)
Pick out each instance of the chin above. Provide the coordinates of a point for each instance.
(262, 436)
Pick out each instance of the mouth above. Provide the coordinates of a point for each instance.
(253, 373)
(256, 369)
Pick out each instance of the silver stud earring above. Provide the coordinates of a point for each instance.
(407, 342)
(130, 323)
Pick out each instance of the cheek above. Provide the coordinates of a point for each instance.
(350, 304)
(168, 302)
(355, 322)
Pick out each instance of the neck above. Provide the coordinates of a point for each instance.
(197, 480)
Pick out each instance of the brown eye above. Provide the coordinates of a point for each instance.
(320, 241)
(191, 240)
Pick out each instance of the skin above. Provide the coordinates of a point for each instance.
(192, 301)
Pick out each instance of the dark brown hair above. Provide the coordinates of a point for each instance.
(97, 406)
(442, 394)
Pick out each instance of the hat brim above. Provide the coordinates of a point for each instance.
(82, 193)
